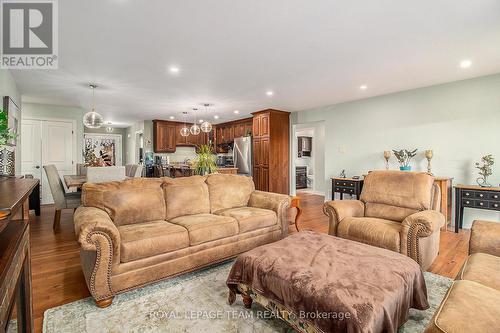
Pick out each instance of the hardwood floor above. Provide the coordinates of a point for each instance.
(58, 278)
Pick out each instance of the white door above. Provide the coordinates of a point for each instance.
(31, 152)
(50, 142)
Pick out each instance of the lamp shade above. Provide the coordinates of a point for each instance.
(184, 131)
(195, 129)
(206, 126)
(92, 119)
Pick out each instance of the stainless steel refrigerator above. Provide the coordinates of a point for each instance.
(242, 155)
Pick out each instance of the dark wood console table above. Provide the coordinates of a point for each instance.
(346, 186)
(15, 272)
(473, 196)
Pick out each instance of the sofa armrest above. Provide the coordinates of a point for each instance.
(279, 203)
(485, 238)
(100, 249)
(416, 226)
(338, 210)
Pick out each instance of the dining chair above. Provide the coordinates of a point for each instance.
(186, 171)
(62, 199)
(138, 171)
(133, 170)
(81, 169)
(105, 174)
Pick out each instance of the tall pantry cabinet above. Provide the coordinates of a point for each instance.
(271, 135)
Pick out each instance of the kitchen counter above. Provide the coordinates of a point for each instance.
(185, 170)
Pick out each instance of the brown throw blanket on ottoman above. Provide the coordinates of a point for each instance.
(333, 284)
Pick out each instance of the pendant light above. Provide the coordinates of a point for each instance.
(184, 129)
(92, 119)
(195, 129)
(206, 126)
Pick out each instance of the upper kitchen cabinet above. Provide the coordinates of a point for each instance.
(261, 124)
(226, 132)
(271, 139)
(167, 136)
(304, 146)
(164, 136)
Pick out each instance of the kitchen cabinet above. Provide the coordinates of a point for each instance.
(226, 132)
(304, 146)
(167, 136)
(271, 150)
(164, 136)
(179, 139)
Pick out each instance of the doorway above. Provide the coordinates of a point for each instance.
(47, 142)
(308, 158)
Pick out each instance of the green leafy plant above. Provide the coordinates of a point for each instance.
(404, 156)
(6, 133)
(484, 167)
(205, 160)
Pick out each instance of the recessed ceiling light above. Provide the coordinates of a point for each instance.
(171, 117)
(465, 63)
(363, 87)
(216, 117)
(269, 93)
(236, 111)
(174, 69)
(200, 121)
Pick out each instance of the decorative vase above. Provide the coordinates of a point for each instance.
(428, 155)
(387, 156)
(7, 161)
(405, 168)
(483, 182)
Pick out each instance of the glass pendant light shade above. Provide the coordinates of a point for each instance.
(206, 127)
(195, 129)
(184, 131)
(92, 119)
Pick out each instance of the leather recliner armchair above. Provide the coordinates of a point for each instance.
(397, 210)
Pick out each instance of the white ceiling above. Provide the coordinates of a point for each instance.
(310, 53)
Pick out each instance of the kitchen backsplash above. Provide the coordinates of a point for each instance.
(180, 154)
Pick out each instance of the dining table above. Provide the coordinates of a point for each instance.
(74, 182)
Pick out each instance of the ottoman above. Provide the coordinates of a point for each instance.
(321, 283)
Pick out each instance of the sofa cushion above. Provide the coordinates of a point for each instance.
(186, 196)
(482, 268)
(142, 240)
(135, 200)
(467, 307)
(251, 218)
(204, 228)
(371, 231)
(399, 189)
(229, 191)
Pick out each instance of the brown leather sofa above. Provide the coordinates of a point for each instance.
(397, 210)
(472, 303)
(142, 230)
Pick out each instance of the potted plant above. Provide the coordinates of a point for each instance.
(485, 171)
(404, 157)
(205, 160)
(7, 165)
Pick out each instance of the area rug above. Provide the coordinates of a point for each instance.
(195, 302)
